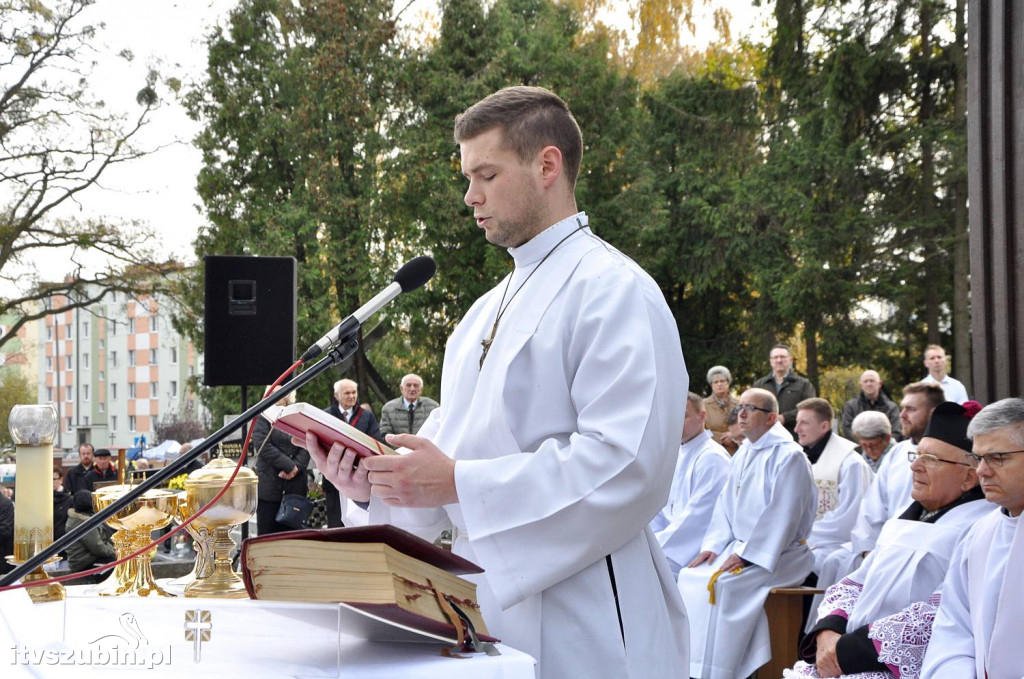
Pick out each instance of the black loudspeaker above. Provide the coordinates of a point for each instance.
(249, 319)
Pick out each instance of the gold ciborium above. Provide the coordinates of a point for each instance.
(135, 524)
(200, 544)
(212, 530)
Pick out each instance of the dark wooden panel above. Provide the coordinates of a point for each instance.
(996, 193)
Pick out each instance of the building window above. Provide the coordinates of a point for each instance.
(153, 388)
(131, 357)
(69, 395)
(49, 332)
(113, 327)
(49, 363)
(152, 356)
(67, 424)
(174, 389)
(131, 325)
(191, 370)
(131, 423)
(103, 407)
(85, 329)
(113, 424)
(153, 323)
(85, 392)
(174, 355)
(85, 420)
(85, 360)
(113, 359)
(103, 345)
(67, 332)
(101, 375)
(49, 394)
(113, 391)
(131, 390)
(67, 362)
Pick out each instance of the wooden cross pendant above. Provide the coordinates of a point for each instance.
(486, 344)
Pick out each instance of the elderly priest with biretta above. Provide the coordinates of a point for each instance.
(875, 623)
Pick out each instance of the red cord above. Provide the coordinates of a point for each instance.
(181, 526)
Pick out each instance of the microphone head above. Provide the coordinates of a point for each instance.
(415, 273)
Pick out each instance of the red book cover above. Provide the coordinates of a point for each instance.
(299, 418)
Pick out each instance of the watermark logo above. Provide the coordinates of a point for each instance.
(198, 627)
(128, 649)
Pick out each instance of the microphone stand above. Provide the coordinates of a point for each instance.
(342, 350)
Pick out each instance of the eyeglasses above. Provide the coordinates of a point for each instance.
(931, 461)
(993, 460)
(750, 407)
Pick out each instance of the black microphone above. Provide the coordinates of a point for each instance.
(411, 276)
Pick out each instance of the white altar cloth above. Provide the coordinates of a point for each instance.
(128, 636)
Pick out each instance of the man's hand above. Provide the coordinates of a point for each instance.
(703, 557)
(424, 477)
(734, 561)
(338, 466)
(826, 660)
(288, 476)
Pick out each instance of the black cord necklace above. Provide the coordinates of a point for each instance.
(503, 307)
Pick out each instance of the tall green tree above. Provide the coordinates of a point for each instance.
(295, 106)
(479, 50)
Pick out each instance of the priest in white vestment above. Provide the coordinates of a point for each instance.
(889, 493)
(702, 469)
(979, 627)
(876, 621)
(562, 399)
(757, 540)
(840, 474)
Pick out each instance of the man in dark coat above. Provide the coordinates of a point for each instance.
(788, 387)
(347, 409)
(102, 470)
(871, 398)
(74, 480)
(6, 532)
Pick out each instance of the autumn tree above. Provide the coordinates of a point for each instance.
(56, 141)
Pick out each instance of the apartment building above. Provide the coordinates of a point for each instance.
(113, 369)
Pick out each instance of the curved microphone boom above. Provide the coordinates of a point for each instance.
(411, 276)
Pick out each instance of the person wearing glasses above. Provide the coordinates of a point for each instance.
(890, 492)
(757, 540)
(980, 623)
(878, 618)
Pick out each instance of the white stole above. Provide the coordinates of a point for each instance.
(826, 474)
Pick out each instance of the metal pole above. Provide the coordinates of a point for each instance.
(340, 352)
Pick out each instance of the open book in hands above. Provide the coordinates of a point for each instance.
(299, 418)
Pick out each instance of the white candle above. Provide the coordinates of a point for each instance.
(33, 500)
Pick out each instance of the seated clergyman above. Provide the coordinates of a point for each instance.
(876, 621)
(979, 626)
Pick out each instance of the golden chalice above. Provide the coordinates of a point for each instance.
(212, 530)
(134, 525)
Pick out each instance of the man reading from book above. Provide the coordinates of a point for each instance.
(562, 399)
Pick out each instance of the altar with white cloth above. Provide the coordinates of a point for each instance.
(124, 636)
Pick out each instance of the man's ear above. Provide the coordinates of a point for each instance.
(550, 165)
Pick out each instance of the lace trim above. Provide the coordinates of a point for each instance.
(902, 639)
(840, 599)
(804, 671)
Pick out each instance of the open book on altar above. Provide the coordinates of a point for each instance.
(383, 571)
(299, 418)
